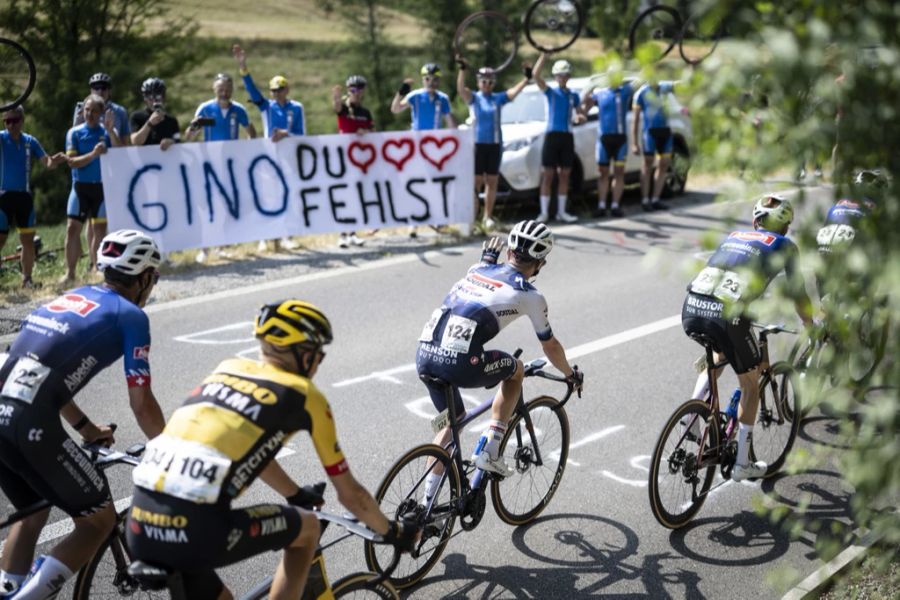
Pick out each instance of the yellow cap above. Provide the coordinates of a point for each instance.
(277, 82)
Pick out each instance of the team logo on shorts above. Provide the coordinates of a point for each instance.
(73, 303)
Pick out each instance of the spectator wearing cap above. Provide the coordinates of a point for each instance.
(220, 119)
(352, 117)
(281, 116)
(484, 105)
(152, 125)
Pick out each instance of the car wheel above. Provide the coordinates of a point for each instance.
(676, 178)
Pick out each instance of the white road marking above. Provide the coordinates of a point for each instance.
(386, 375)
(631, 482)
(196, 338)
(587, 440)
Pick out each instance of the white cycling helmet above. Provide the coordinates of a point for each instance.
(773, 212)
(128, 251)
(530, 239)
(561, 67)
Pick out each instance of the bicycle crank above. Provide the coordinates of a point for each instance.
(473, 511)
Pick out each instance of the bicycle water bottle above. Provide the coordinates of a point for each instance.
(732, 411)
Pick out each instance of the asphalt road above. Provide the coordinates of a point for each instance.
(615, 290)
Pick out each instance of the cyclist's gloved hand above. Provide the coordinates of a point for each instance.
(527, 71)
(405, 88)
(309, 496)
(460, 62)
(403, 535)
(576, 380)
(490, 250)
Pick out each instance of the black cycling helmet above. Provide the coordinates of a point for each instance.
(293, 323)
(357, 81)
(153, 86)
(432, 69)
(100, 79)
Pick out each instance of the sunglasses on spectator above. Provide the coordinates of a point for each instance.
(278, 89)
(355, 89)
(100, 86)
(431, 78)
(12, 120)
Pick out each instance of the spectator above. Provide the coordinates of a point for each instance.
(613, 102)
(558, 153)
(16, 203)
(427, 104)
(650, 111)
(485, 105)
(352, 117)
(153, 125)
(85, 144)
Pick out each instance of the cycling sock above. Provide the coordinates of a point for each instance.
(645, 201)
(432, 480)
(563, 199)
(47, 579)
(701, 388)
(545, 204)
(745, 432)
(10, 582)
(615, 205)
(492, 436)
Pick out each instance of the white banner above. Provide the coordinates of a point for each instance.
(216, 193)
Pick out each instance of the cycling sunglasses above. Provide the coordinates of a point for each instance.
(431, 78)
(100, 86)
(355, 89)
(12, 120)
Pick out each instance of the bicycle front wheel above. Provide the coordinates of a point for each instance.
(679, 481)
(776, 422)
(539, 454)
(361, 586)
(401, 493)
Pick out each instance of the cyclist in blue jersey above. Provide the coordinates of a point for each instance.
(558, 152)
(650, 114)
(452, 344)
(85, 144)
(281, 116)
(428, 105)
(485, 105)
(60, 348)
(224, 116)
(613, 102)
(17, 150)
(718, 304)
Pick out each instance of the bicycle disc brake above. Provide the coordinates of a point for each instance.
(473, 511)
(728, 457)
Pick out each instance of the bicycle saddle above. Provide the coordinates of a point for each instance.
(434, 380)
(704, 340)
(152, 577)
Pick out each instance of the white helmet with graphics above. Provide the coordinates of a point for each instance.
(773, 211)
(530, 239)
(561, 67)
(128, 251)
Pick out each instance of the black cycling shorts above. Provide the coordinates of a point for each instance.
(196, 539)
(558, 150)
(702, 315)
(87, 202)
(612, 145)
(16, 208)
(473, 370)
(487, 159)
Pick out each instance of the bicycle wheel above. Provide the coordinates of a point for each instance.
(553, 25)
(399, 495)
(776, 429)
(487, 39)
(678, 483)
(360, 585)
(702, 33)
(654, 33)
(520, 498)
(17, 74)
(106, 573)
(872, 332)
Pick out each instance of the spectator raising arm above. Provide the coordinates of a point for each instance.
(536, 72)
(400, 103)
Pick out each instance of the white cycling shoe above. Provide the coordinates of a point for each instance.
(566, 217)
(542, 218)
(749, 471)
(495, 465)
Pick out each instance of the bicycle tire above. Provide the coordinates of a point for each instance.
(873, 342)
(714, 41)
(516, 449)
(532, 14)
(662, 462)
(772, 441)
(360, 585)
(32, 76)
(404, 500)
(655, 12)
(504, 22)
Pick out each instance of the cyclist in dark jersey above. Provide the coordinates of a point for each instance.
(224, 437)
(718, 302)
(491, 296)
(61, 347)
(352, 117)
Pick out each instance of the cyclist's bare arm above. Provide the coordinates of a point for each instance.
(536, 72)
(461, 89)
(399, 103)
(556, 354)
(450, 121)
(90, 432)
(277, 478)
(146, 410)
(251, 131)
(359, 501)
(515, 90)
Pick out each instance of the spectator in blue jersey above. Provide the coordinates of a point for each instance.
(220, 119)
(85, 144)
(656, 139)
(281, 116)
(485, 105)
(558, 152)
(17, 150)
(613, 102)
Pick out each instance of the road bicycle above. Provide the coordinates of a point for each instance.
(699, 437)
(536, 444)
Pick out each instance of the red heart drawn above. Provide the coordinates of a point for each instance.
(439, 155)
(360, 148)
(406, 146)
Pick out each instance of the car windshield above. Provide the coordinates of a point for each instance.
(528, 106)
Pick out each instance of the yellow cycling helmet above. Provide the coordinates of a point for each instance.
(293, 323)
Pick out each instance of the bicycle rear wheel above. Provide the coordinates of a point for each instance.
(553, 25)
(654, 33)
(776, 428)
(400, 494)
(17, 74)
(520, 498)
(487, 39)
(678, 483)
(360, 586)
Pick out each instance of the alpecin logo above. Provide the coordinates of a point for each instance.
(73, 303)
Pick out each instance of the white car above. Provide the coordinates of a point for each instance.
(524, 120)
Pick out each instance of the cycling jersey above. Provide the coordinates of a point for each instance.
(167, 128)
(81, 140)
(842, 222)
(651, 99)
(228, 122)
(232, 425)
(122, 126)
(427, 109)
(15, 161)
(486, 110)
(613, 105)
(354, 117)
(559, 106)
(288, 116)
